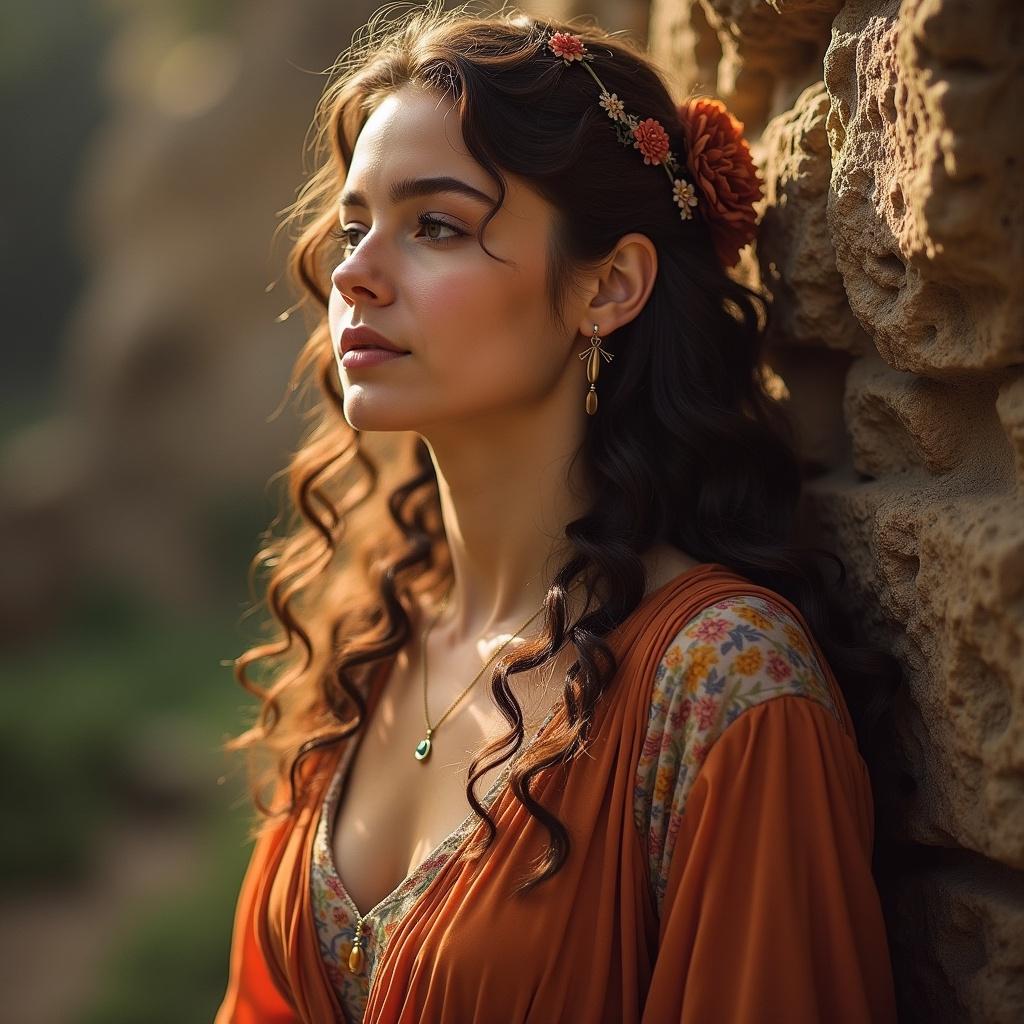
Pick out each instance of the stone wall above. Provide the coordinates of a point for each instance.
(893, 244)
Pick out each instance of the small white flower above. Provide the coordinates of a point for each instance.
(685, 195)
(613, 105)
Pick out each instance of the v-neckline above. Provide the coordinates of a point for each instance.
(332, 805)
(328, 821)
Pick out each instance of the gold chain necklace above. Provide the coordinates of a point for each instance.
(422, 751)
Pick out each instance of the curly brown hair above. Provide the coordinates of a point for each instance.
(705, 463)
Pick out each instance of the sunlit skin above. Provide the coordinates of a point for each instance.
(492, 385)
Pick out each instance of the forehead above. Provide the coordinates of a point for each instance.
(414, 133)
(414, 129)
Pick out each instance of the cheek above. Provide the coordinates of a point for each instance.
(486, 319)
(492, 297)
(451, 296)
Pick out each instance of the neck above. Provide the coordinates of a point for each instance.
(506, 497)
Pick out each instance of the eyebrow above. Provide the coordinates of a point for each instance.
(409, 188)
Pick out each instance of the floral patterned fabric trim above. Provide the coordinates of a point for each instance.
(732, 656)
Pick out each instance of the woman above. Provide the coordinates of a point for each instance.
(657, 811)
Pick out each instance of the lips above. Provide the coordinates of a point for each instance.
(363, 358)
(365, 337)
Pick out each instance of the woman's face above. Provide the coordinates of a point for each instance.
(481, 343)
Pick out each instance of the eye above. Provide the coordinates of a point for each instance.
(425, 220)
(342, 234)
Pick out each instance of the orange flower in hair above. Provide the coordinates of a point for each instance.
(720, 163)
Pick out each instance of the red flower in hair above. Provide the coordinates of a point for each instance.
(567, 46)
(721, 165)
(651, 140)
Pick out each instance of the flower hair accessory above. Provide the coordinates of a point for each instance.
(718, 158)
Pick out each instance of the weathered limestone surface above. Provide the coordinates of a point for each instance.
(744, 50)
(928, 231)
(893, 245)
(966, 950)
(794, 244)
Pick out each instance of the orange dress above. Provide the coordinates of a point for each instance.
(739, 891)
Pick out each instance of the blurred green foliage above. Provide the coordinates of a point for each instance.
(172, 966)
(118, 712)
(76, 706)
(83, 711)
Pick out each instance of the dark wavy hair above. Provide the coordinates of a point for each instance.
(704, 462)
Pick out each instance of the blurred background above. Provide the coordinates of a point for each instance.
(150, 148)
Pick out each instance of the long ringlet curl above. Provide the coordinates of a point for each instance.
(689, 448)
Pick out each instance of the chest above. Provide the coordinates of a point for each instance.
(393, 810)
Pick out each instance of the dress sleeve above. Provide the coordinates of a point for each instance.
(770, 910)
(251, 996)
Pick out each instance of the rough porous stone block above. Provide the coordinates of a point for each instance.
(797, 261)
(925, 209)
(965, 960)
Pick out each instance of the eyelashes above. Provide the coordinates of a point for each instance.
(343, 235)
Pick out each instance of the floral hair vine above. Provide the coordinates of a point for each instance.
(718, 158)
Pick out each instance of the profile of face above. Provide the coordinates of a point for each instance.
(482, 347)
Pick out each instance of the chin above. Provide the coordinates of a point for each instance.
(364, 411)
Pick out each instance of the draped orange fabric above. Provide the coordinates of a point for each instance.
(771, 912)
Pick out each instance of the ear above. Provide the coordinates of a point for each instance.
(622, 286)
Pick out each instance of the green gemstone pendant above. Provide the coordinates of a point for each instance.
(423, 749)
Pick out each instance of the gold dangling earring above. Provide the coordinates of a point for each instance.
(595, 352)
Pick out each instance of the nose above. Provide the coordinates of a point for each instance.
(357, 280)
(340, 284)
